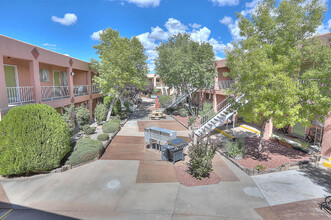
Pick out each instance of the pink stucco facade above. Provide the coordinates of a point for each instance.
(68, 79)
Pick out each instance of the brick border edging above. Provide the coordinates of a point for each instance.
(314, 162)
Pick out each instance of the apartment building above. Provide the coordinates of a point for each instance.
(319, 132)
(30, 74)
(157, 83)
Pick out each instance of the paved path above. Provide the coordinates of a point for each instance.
(132, 182)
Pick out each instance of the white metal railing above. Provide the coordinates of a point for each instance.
(211, 113)
(95, 89)
(54, 92)
(225, 84)
(20, 94)
(158, 84)
(81, 90)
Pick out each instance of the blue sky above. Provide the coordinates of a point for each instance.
(72, 26)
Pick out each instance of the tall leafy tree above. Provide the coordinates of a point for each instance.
(122, 65)
(186, 65)
(270, 64)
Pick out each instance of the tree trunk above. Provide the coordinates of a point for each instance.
(174, 95)
(112, 104)
(264, 122)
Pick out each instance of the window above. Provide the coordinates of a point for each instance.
(44, 75)
(64, 81)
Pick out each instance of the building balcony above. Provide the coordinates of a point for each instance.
(80, 90)
(20, 95)
(225, 84)
(54, 92)
(95, 89)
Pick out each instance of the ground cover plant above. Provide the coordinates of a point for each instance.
(103, 137)
(110, 127)
(34, 138)
(86, 149)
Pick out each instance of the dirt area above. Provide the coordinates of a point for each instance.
(272, 155)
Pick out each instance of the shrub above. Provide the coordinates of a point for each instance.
(116, 119)
(107, 101)
(183, 112)
(100, 113)
(86, 149)
(33, 138)
(201, 156)
(83, 116)
(191, 121)
(117, 108)
(165, 100)
(123, 115)
(89, 130)
(110, 127)
(234, 148)
(103, 137)
(127, 106)
(260, 167)
(67, 117)
(170, 109)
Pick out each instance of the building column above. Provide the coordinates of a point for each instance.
(70, 82)
(154, 81)
(268, 128)
(89, 82)
(326, 141)
(35, 79)
(3, 88)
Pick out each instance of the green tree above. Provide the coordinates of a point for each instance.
(186, 65)
(268, 64)
(122, 65)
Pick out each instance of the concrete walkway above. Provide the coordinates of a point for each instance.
(119, 187)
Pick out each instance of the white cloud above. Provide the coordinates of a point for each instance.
(67, 20)
(96, 35)
(147, 42)
(324, 28)
(201, 35)
(235, 31)
(48, 45)
(152, 54)
(195, 25)
(145, 3)
(174, 26)
(226, 20)
(225, 2)
(158, 34)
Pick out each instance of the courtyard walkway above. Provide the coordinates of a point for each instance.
(132, 182)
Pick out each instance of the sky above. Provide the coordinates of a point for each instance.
(72, 27)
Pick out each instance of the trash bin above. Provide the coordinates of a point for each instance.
(165, 152)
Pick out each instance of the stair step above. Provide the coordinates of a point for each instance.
(327, 164)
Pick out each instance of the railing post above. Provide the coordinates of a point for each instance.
(35, 78)
(3, 87)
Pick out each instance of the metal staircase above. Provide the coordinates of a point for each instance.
(212, 120)
(179, 100)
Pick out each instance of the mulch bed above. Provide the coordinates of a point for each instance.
(272, 155)
(186, 179)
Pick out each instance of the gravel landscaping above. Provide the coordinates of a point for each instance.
(186, 179)
(272, 155)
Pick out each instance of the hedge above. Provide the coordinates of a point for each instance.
(110, 127)
(33, 138)
(86, 149)
(103, 137)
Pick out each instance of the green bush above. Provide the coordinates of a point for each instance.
(67, 117)
(170, 109)
(116, 119)
(107, 101)
(83, 116)
(117, 108)
(33, 138)
(123, 115)
(234, 148)
(100, 113)
(88, 130)
(165, 100)
(86, 149)
(183, 112)
(127, 106)
(191, 121)
(110, 127)
(201, 156)
(103, 137)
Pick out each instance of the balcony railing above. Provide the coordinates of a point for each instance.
(95, 89)
(81, 90)
(225, 84)
(158, 84)
(20, 94)
(54, 92)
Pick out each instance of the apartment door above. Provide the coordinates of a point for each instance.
(57, 83)
(13, 94)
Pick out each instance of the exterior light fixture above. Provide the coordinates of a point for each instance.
(72, 73)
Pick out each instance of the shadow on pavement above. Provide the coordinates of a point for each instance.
(318, 176)
(14, 212)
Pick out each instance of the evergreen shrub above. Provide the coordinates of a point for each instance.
(164, 100)
(88, 130)
(83, 116)
(183, 112)
(103, 137)
(110, 127)
(86, 149)
(100, 113)
(33, 138)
